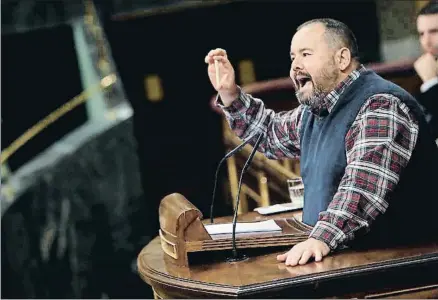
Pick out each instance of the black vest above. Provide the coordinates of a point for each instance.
(413, 205)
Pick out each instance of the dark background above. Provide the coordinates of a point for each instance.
(39, 74)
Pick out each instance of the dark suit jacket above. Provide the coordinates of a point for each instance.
(429, 100)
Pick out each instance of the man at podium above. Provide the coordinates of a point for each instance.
(367, 159)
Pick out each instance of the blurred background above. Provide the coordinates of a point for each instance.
(80, 192)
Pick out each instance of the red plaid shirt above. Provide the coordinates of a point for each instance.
(378, 146)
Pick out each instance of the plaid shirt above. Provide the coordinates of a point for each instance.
(378, 146)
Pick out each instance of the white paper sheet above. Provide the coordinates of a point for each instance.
(262, 226)
(277, 208)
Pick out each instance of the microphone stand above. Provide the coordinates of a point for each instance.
(237, 257)
(229, 154)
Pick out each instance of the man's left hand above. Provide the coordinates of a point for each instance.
(302, 252)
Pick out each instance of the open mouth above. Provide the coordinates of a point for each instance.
(302, 80)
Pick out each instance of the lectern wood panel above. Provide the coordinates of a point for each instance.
(181, 231)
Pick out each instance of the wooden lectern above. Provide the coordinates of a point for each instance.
(181, 232)
(398, 272)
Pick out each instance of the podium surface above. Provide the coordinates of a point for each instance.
(402, 272)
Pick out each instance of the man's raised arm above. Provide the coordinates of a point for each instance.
(248, 116)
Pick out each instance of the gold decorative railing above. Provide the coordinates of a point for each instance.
(55, 115)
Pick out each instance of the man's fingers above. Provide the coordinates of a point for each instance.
(318, 255)
(216, 53)
(292, 260)
(305, 257)
(302, 252)
(282, 257)
(220, 58)
(293, 257)
(211, 59)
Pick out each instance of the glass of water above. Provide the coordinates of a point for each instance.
(296, 190)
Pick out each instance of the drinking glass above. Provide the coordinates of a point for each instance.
(296, 190)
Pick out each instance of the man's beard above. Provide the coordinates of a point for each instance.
(314, 99)
(319, 91)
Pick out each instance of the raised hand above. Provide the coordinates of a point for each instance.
(222, 76)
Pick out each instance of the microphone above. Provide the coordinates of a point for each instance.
(245, 167)
(228, 155)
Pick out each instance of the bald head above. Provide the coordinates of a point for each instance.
(336, 33)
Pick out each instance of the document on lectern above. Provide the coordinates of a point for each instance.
(263, 226)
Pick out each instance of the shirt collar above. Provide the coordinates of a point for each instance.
(329, 100)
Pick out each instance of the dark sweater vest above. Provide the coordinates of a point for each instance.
(412, 205)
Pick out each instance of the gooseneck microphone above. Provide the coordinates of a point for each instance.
(229, 154)
(236, 257)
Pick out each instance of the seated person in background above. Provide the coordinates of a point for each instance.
(427, 65)
(368, 161)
